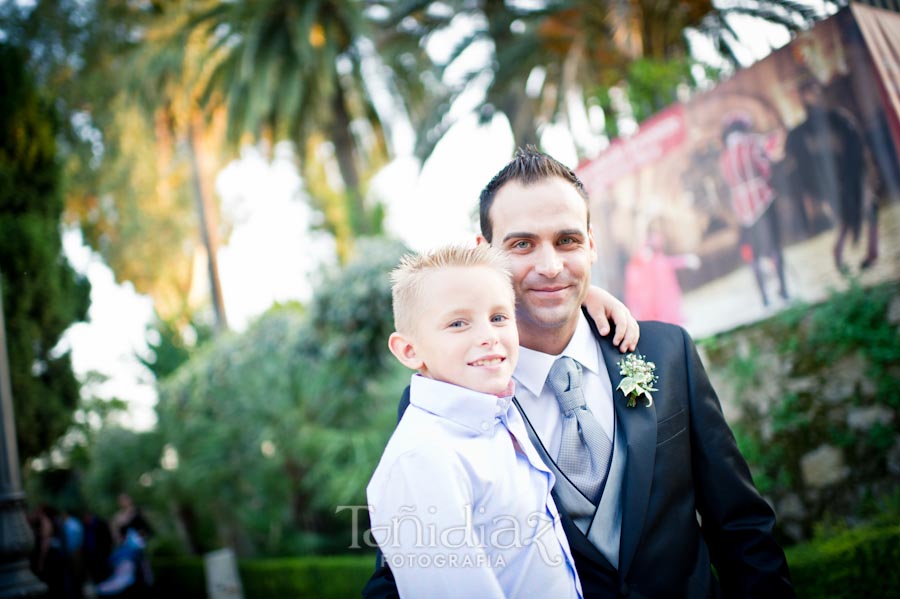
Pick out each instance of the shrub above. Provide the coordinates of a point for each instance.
(338, 576)
(856, 563)
(850, 564)
(333, 576)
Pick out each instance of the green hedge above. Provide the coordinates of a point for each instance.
(856, 563)
(283, 578)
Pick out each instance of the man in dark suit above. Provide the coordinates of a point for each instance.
(675, 495)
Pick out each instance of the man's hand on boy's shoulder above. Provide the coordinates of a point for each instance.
(606, 310)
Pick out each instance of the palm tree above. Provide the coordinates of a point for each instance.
(583, 46)
(507, 29)
(288, 70)
(164, 80)
(129, 173)
(718, 26)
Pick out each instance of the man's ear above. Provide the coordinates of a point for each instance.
(592, 244)
(481, 240)
(404, 350)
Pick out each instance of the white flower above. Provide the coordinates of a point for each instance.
(638, 379)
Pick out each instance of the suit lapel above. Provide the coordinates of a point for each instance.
(639, 428)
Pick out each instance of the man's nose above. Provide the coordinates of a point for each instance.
(548, 262)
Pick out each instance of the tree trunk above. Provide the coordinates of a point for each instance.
(520, 112)
(207, 214)
(344, 152)
(185, 526)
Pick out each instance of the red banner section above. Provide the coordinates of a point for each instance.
(656, 137)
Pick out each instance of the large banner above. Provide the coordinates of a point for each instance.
(773, 187)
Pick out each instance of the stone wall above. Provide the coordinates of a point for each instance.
(813, 397)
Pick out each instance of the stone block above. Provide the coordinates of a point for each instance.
(862, 419)
(823, 466)
(791, 508)
(802, 384)
(893, 458)
(843, 376)
(893, 312)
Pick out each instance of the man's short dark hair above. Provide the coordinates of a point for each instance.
(528, 166)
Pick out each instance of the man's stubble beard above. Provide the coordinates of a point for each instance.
(530, 318)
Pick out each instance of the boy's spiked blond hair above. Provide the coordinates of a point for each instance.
(408, 279)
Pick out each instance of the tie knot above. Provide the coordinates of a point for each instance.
(565, 381)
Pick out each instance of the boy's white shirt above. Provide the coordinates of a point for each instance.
(460, 509)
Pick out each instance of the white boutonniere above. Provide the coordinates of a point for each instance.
(639, 379)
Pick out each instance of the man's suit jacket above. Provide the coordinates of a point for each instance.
(682, 460)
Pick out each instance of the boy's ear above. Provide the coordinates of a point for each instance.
(403, 349)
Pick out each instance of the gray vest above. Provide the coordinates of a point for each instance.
(602, 523)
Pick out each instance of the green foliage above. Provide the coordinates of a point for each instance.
(59, 487)
(276, 427)
(42, 295)
(650, 85)
(653, 84)
(768, 464)
(56, 477)
(171, 346)
(342, 576)
(855, 320)
(338, 577)
(604, 100)
(122, 461)
(856, 563)
(351, 319)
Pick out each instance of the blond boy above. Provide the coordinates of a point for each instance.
(460, 502)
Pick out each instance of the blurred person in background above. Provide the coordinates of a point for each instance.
(652, 290)
(131, 573)
(746, 168)
(97, 547)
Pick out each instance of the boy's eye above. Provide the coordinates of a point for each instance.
(456, 324)
(499, 318)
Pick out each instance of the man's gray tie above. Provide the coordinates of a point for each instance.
(584, 449)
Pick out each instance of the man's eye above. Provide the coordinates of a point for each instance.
(567, 241)
(521, 245)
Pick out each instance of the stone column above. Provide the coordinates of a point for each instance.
(16, 539)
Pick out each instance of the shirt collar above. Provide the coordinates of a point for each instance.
(534, 366)
(463, 406)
